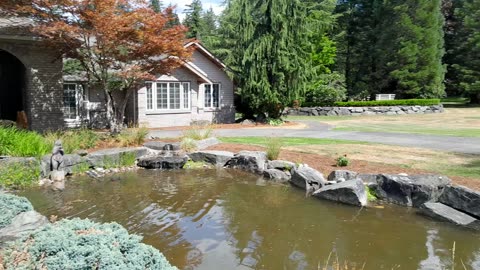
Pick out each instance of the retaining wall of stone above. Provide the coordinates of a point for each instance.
(357, 111)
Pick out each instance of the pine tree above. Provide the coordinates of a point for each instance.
(173, 17)
(209, 30)
(156, 5)
(193, 19)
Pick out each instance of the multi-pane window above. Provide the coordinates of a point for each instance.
(70, 104)
(212, 95)
(168, 96)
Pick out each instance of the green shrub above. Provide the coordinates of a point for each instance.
(73, 140)
(328, 89)
(275, 122)
(22, 143)
(398, 102)
(83, 245)
(10, 206)
(19, 174)
(342, 161)
(274, 146)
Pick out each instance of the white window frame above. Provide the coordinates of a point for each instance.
(78, 97)
(154, 96)
(211, 95)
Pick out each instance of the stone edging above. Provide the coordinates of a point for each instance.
(357, 111)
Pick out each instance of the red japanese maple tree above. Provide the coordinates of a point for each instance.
(119, 43)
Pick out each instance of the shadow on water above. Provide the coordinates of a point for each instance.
(223, 219)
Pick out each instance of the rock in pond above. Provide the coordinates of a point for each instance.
(70, 163)
(307, 178)
(282, 165)
(277, 175)
(351, 192)
(411, 190)
(22, 224)
(154, 145)
(252, 161)
(338, 175)
(113, 155)
(205, 143)
(462, 198)
(218, 158)
(162, 162)
(443, 212)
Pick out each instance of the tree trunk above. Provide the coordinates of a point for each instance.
(112, 121)
(122, 105)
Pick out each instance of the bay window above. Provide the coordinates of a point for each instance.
(212, 95)
(168, 96)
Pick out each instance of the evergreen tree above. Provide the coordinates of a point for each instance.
(209, 30)
(193, 19)
(173, 17)
(156, 5)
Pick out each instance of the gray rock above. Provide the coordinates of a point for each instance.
(280, 165)
(462, 198)
(22, 224)
(163, 162)
(162, 146)
(247, 122)
(277, 175)
(204, 144)
(411, 190)
(252, 161)
(218, 158)
(351, 192)
(345, 174)
(368, 177)
(113, 155)
(70, 163)
(446, 213)
(307, 178)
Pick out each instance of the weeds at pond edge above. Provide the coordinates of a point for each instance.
(371, 194)
(337, 265)
(125, 160)
(19, 175)
(273, 147)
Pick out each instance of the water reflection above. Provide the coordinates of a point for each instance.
(219, 219)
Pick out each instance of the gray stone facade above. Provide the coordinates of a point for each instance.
(357, 111)
(42, 96)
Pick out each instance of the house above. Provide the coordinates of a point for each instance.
(31, 81)
(199, 90)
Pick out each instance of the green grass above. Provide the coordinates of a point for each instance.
(319, 118)
(22, 143)
(471, 169)
(455, 100)
(19, 175)
(287, 141)
(412, 129)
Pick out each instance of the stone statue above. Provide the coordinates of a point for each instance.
(56, 161)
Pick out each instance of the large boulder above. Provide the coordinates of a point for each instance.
(307, 178)
(351, 192)
(282, 165)
(443, 212)
(160, 146)
(205, 143)
(218, 158)
(102, 157)
(163, 162)
(342, 175)
(277, 175)
(252, 161)
(411, 190)
(463, 199)
(21, 225)
(70, 163)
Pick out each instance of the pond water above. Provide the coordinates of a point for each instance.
(227, 219)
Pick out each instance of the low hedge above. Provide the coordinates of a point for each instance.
(83, 245)
(10, 206)
(398, 102)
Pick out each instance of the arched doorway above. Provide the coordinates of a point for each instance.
(12, 86)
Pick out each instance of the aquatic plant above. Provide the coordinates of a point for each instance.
(10, 206)
(82, 244)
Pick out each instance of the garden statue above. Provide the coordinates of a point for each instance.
(57, 175)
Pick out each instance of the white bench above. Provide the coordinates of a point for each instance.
(385, 97)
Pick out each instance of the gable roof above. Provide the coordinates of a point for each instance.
(206, 52)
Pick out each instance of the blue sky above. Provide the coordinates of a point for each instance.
(207, 4)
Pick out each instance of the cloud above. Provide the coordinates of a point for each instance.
(216, 5)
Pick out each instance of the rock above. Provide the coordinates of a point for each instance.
(277, 175)
(462, 198)
(411, 190)
(345, 174)
(93, 174)
(368, 177)
(113, 155)
(218, 158)
(22, 224)
(162, 146)
(351, 192)
(252, 161)
(307, 178)
(247, 122)
(443, 212)
(81, 153)
(162, 162)
(204, 144)
(280, 165)
(70, 163)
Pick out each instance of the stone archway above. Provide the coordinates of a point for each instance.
(12, 86)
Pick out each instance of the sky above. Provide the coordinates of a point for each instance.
(207, 4)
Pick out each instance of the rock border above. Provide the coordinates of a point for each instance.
(357, 111)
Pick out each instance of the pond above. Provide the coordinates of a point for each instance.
(228, 219)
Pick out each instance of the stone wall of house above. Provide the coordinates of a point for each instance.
(357, 111)
(43, 96)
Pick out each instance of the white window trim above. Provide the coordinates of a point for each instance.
(212, 108)
(78, 98)
(155, 108)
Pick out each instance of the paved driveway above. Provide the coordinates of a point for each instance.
(321, 130)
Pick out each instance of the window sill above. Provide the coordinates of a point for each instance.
(212, 109)
(168, 112)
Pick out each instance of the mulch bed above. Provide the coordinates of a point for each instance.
(287, 124)
(326, 164)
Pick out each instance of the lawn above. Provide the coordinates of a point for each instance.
(287, 141)
(461, 122)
